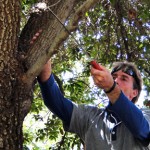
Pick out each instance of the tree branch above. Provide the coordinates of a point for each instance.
(58, 40)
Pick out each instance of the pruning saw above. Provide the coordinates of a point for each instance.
(93, 62)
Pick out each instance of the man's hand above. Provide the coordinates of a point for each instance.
(102, 78)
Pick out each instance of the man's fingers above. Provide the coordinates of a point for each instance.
(37, 34)
(95, 72)
(35, 37)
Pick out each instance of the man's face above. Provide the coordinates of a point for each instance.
(125, 82)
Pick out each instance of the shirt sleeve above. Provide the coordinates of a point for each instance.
(55, 101)
(132, 117)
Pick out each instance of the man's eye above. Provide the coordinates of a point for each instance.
(124, 79)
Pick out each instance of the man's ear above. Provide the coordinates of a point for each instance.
(135, 92)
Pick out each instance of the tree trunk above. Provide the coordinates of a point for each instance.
(11, 91)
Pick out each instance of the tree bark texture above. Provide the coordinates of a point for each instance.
(10, 110)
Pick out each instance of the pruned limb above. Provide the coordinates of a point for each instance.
(52, 48)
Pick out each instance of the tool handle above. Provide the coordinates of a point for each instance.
(95, 65)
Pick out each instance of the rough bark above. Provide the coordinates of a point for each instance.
(10, 98)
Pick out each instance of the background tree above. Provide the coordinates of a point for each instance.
(110, 31)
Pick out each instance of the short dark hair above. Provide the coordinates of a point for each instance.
(130, 69)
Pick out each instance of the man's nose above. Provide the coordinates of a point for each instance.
(117, 80)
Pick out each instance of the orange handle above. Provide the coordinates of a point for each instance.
(95, 65)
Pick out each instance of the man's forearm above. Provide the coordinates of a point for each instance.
(55, 101)
(46, 72)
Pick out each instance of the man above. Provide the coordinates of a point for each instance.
(120, 126)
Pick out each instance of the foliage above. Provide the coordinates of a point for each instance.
(112, 31)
